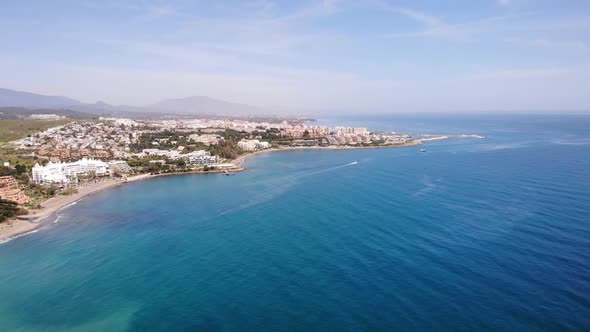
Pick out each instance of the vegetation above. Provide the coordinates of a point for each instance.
(39, 191)
(226, 149)
(9, 209)
(11, 130)
(166, 140)
(232, 134)
(169, 140)
(270, 134)
(15, 157)
(16, 171)
(68, 192)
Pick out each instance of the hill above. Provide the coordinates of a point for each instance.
(14, 113)
(15, 129)
(27, 99)
(201, 105)
(19, 103)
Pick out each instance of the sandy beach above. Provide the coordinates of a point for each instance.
(27, 223)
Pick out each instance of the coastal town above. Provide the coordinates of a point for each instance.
(81, 150)
(60, 164)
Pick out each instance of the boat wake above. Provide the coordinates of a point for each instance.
(330, 168)
(279, 188)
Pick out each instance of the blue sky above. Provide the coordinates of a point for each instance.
(362, 55)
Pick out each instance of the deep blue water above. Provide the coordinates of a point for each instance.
(473, 235)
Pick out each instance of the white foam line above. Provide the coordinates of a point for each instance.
(17, 236)
(66, 206)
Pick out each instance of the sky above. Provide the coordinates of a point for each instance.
(324, 55)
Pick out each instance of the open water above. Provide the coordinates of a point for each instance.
(474, 234)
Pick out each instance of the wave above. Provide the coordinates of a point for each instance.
(17, 236)
(67, 206)
(581, 141)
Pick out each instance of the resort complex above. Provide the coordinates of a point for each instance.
(63, 173)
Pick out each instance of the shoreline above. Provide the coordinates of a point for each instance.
(31, 222)
(23, 225)
(241, 159)
(35, 219)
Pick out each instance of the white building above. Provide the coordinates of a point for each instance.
(207, 139)
(119, 166)
(45, 117)
(253, 144)
(172, 154)
(200, 157)
(62, 173)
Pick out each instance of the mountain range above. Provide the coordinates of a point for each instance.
(13, 101)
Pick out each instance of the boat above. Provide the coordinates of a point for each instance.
(422, 150)
(354, 163)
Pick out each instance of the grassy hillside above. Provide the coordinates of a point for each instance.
(11, 130)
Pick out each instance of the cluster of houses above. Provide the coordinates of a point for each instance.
(83, 139)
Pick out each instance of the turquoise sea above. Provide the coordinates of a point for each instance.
(474, 234)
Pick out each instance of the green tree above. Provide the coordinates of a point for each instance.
(20, 169)
(8, 209)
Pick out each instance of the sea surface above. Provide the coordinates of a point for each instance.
(486, 235)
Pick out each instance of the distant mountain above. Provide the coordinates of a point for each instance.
(169, 108)
(201, 105)
(26, 99)
(14, 113)
(119, 111)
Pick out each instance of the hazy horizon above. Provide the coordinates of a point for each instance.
(314, 56)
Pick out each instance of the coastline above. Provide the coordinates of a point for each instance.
(241, 159)
(31, 222)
